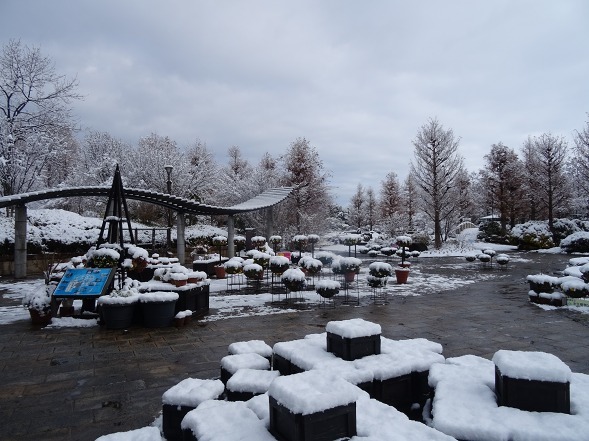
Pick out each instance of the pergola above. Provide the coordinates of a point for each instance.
(182, 206)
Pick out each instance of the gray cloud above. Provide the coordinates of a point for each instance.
(357, 79)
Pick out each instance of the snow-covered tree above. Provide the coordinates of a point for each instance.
(307, 208)
(371, 208)
(203, 173)
(356, 210)
(547, 165)
(579, 167)
(435, 166)
(502, 179)
(35, 119)
(409, 200)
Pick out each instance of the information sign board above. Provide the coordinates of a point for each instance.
(85, 282)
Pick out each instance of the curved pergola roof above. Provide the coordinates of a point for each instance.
(266, 199)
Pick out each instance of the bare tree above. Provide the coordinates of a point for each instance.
(435, 167)
(36, 119)
(580, 164)
(549, 174)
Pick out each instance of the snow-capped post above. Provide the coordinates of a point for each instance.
(313, 239)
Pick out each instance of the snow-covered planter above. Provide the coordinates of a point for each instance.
(299, 241)
(353, 339)
(39, 305)
(253, 271)
(388, 251)
(502, 259)
(584, 270)
(139, 257)
(196, 276)
(373, 253)
(542, 282)
(483, 257)
(158, 308)
(363, 249)
(239, 243)
(279, 264)
(403, 241)
(470, 257)
(178, 279)
(350, 264)
(294, 279)
(258, 242)
(376, 282)
(327, 288)
(326, 257)
(336, 266)
(311, 266)
(275, 241)
(380, 269)
(350, 240)
(118, 308)
(262, 259)
(219, 241)
(312, 238)
(575, 288)
(415, 254)
(233, 266)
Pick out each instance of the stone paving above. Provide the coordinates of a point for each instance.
(81, 383)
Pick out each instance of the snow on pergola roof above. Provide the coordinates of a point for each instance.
(266, 199)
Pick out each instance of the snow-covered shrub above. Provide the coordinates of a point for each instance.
(421, 241)
(532, 235)
(279, 264)
(294, 279)
(326, 257)
(491, 232)
(312, 266)
(565, 227)
(327, 288)
(349, 264)
(233, 266)
(239, 243)
(576, 243)
(253, 271)
(380, 269)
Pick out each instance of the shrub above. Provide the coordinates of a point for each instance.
(576, 243)
(420, 242)
(532, 235)
(565, 227)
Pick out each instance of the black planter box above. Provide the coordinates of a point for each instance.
(171, 419)
(396, 392)
(207, 266)
(195, 299)
(284, 366)
(353, 348)
(532, 395)
(331, 424)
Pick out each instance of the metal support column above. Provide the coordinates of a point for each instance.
(20, 242)
(230, 237)
(180, 240)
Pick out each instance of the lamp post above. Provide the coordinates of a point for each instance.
(169, 169)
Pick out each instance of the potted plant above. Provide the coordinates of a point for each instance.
(239, 243)
(275, 241)
(262, 259)
(294, 279)
(312, 239)
(234, 265)
(402, 273)
(279, 264)
(178, 279)
(326, 257)
(118, 307)
(219, 242)
(350, 266)
(502, 259)
(39, 305)
(379, 273)
(259, 242)
(299, 241)
(327, 288)
(310, 266)
(103, 258)
(158, 308)
(253, 271)
(352, 240)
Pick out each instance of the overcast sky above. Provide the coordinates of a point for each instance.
(356, 78)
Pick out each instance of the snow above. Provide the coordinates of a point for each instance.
(529, 365)
(251, 380)
(353, 328)
(327, 284)
(117, 300)
(70, 322)
(465, 406)
(225, 421)
(313, 391)
(231, 363)
(158, 296)
(252, 346)
(193, 391)
(143, 434)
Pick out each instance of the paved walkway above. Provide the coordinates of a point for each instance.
(78, 384)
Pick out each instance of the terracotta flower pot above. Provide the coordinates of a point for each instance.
(349, 276)
(220, 272)
(178, 283)
(402, 275)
